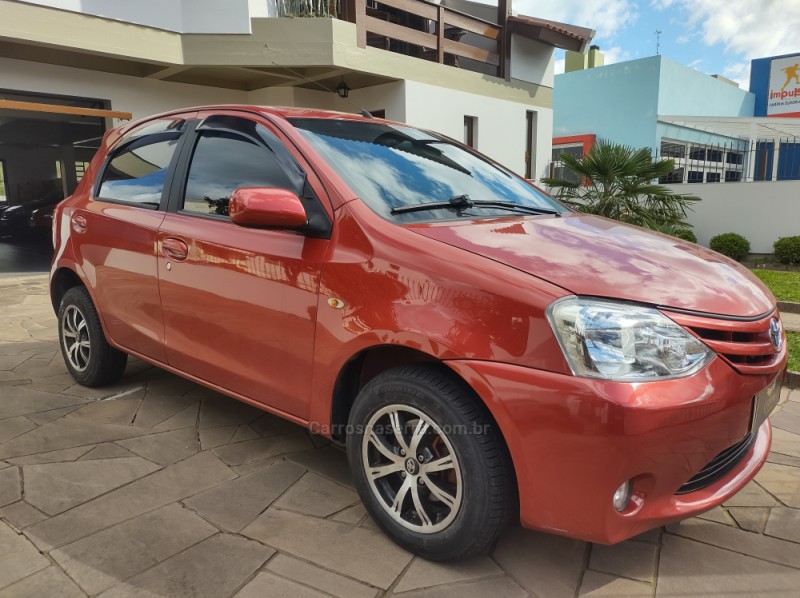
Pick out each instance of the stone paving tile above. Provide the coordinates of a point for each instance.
(176, 482)
(635, 560)
(57, 487)
(18, 557)
(358, 553)
(756, 545)
(785, 443)
(263, 448)
(559, 561)
(106, 450)
(752, 519)
(120, 412)
(47, 583)
(272, 425)
(100, 561)
(321, 579)
(218, 411)
(244, 432)
(782, 482)
(64, 433)
(329, 462)
(690, 568)
(267, 584)
(19, 400)
(186, 418)
(14, 426)
(232, 505)
(9, 362)
(45, 417)
(214, 437)
(20, 514)
(352, 515)
(719, 515)
(159, 408)
(602, 585)
(751, 495)
(214, 567)
(502, 586)
(60, 456)
(166, 447)
(426, 574)
(10, 486)
(784, 523)
(315, 495)
(783, 459)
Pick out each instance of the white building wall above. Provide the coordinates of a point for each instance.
(532, 61)
(185, 16)
(762, 211)
(501, 124)
(141, 97)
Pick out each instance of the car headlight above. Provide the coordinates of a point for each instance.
(620, 341)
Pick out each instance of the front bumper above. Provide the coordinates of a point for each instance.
(574, 441)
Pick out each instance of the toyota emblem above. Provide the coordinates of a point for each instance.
(775, 333)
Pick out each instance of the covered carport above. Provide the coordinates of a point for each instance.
(46, 143)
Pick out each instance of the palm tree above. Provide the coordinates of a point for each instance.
(617, 181)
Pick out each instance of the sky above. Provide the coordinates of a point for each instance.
(712, 36)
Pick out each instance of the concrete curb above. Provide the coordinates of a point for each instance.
(788, 307)
(792, 379)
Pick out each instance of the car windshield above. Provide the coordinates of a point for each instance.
(392, 167)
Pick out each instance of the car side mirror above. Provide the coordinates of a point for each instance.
(266, 207)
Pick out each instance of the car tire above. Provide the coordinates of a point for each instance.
(89, 358)
(443, 487)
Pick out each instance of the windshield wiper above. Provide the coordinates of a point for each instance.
(463, 202)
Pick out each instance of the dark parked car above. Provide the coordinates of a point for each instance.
(483, 352)
(16, 220)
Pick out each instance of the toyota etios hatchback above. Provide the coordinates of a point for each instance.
(483, 352)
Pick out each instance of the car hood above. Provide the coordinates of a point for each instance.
(589, 255)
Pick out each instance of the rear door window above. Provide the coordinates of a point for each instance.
(138, 172)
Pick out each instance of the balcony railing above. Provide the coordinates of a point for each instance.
(308, 8)
(428, 31)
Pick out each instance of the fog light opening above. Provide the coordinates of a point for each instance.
(622, 497)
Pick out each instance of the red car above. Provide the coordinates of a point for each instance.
(484, 353)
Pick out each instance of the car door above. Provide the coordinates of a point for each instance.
(240, 303)
(116, 231)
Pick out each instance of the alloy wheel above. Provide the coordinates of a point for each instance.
(75, 338)
(412, 468)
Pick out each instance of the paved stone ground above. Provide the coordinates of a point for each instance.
(791, 321)
(157, 487)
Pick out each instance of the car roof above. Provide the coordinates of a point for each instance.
(284, 112)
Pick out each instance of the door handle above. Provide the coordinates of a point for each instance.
(175, 249)
(78, 222)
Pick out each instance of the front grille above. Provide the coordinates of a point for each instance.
(719, 466)
(745, 344)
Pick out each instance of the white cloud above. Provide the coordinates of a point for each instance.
(607, 18)
(615, 54)
(745, 29)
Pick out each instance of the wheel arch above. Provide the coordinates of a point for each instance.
(368, 363)
(61, 281)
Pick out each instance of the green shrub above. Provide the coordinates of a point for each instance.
(787, 250)
(686, 235)
(733, 245)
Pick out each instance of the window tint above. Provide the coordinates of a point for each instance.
(224, 162)
(137, 173)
